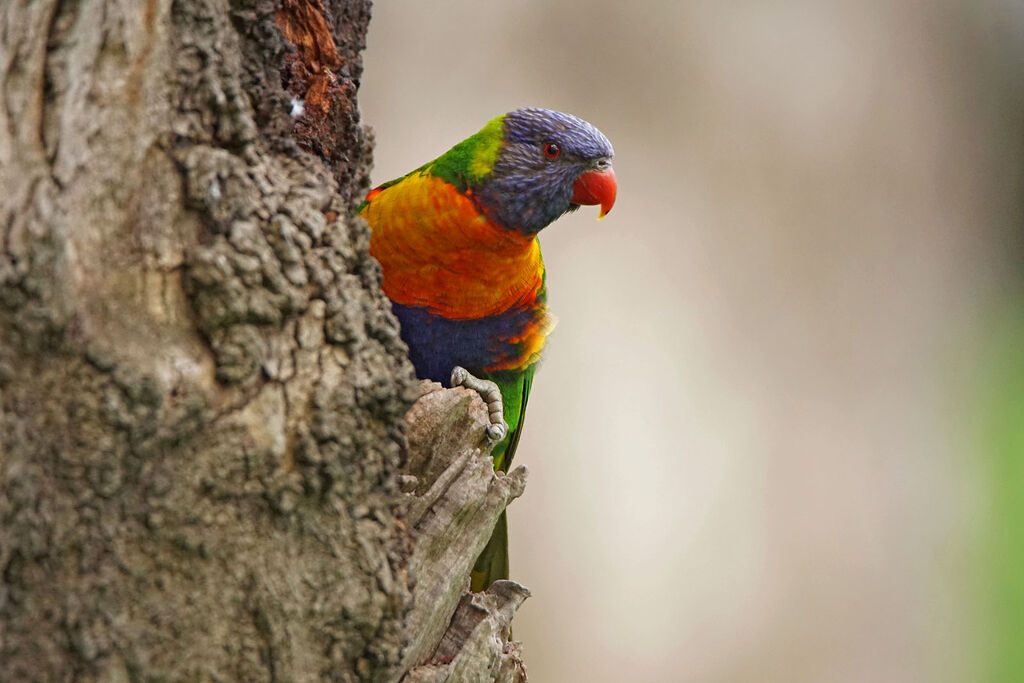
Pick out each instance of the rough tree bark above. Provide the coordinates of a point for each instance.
(202, 389)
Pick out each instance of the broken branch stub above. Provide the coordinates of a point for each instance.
(455, 498)
(477, 640)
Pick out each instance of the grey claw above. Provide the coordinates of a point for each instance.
(459, 376)
(496, 431)
(491, 395)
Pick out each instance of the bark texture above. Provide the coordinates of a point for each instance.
(202, 389)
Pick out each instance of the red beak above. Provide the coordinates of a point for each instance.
(596, 187)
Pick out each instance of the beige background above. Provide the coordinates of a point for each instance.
(749, 444)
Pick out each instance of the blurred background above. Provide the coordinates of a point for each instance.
(779, 430)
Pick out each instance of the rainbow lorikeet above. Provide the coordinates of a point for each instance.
(457, 243)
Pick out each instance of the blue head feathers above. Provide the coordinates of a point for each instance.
(543, 154)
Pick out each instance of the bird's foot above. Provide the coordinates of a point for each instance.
(489, 392)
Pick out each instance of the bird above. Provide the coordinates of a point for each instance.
(457, 243)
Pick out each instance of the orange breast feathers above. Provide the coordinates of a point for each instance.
(440, 253)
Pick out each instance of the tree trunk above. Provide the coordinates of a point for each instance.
(202, 388)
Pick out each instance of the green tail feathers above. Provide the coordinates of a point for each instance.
(492, 565)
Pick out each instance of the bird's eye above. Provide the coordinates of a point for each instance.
(551, 150)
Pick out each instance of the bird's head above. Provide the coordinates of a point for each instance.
(547, 163)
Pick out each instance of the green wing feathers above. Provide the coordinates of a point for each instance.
(515, 390)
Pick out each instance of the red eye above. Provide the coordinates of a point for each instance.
(551, 150)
